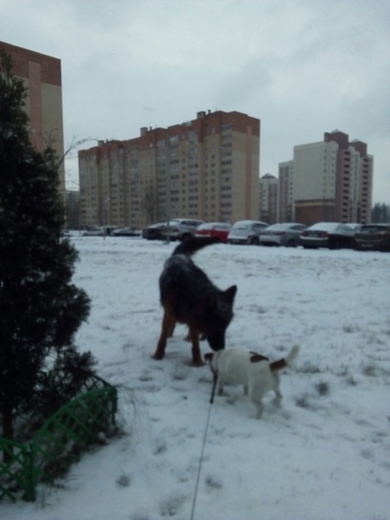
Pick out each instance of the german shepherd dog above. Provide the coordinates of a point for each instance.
(188, 296)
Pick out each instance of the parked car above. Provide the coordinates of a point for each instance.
(286, 234)
(182, 228)
(332, 235)
(92, 231)
(374, 237)
(246, 232)
(214, 229)
(154, 232)
(126, 232)
(354, 226)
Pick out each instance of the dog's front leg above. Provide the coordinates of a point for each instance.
(171, 329)
(168, 325)
(278, 397)
(260, 409)
(196, 356)
(256, 398)
(278, 394)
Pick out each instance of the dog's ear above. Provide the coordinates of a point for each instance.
(230, 294)
(255, 358)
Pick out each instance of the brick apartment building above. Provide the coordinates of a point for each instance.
(206, 168)
(329, 180)
(42, 77)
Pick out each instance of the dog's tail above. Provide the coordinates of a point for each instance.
(192, 245)
(282, 363)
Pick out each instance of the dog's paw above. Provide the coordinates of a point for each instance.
(231, 399)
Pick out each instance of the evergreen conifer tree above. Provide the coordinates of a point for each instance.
(40, 309)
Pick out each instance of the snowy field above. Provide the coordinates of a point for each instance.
(325, 454)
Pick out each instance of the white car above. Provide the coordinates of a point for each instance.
(182, 228)
(286, 234)
(246, 232)
(92, 232)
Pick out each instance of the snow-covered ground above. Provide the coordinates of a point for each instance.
(325, 454)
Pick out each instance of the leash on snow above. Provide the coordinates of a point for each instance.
(203, 446)
(214, 387)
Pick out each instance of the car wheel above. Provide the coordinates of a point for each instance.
(255, 241)
(291, 243)
(334, 243)
(186, 236)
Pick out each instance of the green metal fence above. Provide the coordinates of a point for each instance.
(76, 424)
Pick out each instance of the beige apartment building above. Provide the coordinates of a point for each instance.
(329, 181)
(42, 77)
(207, 168)
(333, 180)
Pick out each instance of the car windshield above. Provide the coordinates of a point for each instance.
(276, 227)
(222, 226)
(241, 225)
(159, 224)
(324, 226)
(203, 227)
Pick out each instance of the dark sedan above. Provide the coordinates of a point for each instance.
(374, 237)
(332, 235)
(154, 232)
(126, 232)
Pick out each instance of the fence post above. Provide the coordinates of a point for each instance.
(29, 472)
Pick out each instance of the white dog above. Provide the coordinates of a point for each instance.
(255, 372)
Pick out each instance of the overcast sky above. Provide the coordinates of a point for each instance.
(303, 67)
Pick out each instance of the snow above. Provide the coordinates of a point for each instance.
(323, 455)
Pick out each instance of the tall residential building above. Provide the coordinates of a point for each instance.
(286, 207)
(73, 209)
(268, 189)
(206, 168)
(42, 77)
(330, 180)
